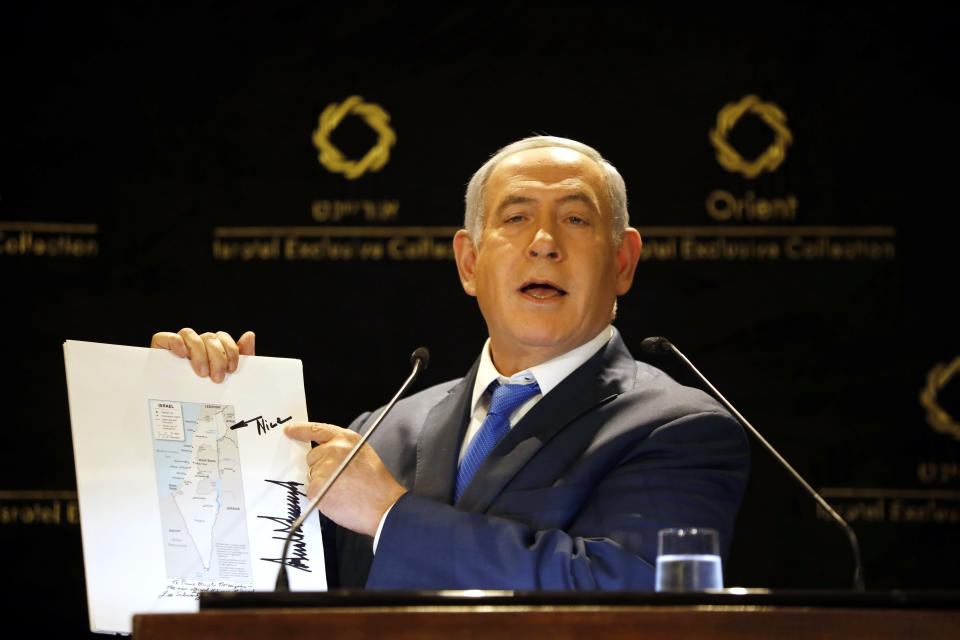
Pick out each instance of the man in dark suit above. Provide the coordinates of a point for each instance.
(554, 462)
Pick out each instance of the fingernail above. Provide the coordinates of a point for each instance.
(203, 370)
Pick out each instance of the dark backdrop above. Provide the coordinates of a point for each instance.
(158, 170)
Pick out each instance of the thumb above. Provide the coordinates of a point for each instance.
(246, 344)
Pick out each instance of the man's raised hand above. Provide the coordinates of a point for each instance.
(213, 354)
(365, 491)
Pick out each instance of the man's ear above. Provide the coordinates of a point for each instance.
(627, 257)
(466, 256)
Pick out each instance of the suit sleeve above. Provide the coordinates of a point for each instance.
(690, 471)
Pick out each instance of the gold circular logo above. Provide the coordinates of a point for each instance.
(375, 117)
(729, 158)
(937, 416)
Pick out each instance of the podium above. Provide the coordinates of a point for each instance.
(732, 614)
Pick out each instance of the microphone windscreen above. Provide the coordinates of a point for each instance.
(655, 345)
(421, 354)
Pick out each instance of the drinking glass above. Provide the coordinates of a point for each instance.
(688, 560)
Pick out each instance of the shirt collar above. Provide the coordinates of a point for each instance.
(548, 374)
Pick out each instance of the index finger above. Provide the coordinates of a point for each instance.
(318, 432)
(231, 349)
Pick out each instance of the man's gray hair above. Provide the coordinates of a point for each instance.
(473, 219)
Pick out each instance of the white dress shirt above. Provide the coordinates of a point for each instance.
(547, 375)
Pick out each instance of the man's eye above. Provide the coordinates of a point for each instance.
(576, 220)
(514, 218)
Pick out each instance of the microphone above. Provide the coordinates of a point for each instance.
(421, 354)
(659, 345)
(655, 345)
(419, 360)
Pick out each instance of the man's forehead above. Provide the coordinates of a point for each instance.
(543, 161)
(555, 167)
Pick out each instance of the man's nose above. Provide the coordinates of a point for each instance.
(544, 245)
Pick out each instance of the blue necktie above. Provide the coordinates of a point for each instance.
(506, 399)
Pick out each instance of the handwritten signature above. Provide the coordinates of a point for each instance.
(186, 588)
(298, 548)
(263, 426)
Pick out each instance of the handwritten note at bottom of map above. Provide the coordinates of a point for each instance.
(185, 485)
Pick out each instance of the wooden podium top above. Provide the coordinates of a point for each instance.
(886, 616)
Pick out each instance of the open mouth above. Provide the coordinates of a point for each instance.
(542, 290)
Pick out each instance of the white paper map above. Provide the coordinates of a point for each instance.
(199, 485)
(185, 485)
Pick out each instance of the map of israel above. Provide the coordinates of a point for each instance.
(199, 486)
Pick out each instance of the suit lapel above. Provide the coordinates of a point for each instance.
(439, 445)
(600, 379)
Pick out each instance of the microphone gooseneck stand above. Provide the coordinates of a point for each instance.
(655, 345)
(419, 361)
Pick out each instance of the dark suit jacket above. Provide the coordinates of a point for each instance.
(571, 498)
